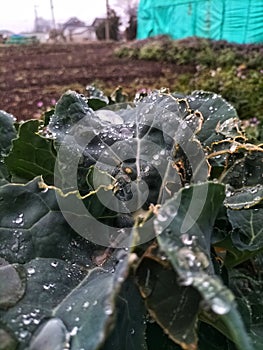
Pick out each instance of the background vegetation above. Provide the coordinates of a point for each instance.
(232, 70)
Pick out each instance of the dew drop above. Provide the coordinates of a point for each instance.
(74, 331)
(187, 239)
(48, 286)
(23, 334)
(31, 270)
(161, 217)
(54, 263)
(219, 306)
(19, 220)
(108, 310)
(86, 305)
(27, 321)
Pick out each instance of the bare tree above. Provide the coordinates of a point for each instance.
(127, 7)
(127, 10)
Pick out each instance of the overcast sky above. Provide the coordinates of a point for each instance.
(18, 15)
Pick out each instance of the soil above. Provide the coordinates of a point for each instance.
(33, 77)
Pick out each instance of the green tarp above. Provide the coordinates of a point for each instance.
(239, 21)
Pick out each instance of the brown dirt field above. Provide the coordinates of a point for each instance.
(31, 75)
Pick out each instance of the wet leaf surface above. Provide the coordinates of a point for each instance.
(31, 155)
(172, 306)
(130, 326)
(13, 285)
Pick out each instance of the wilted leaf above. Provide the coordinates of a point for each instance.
(244, 166)
(216, 112)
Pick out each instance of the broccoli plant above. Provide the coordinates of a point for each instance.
(132, 225)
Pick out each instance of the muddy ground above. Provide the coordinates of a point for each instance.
(32, 77)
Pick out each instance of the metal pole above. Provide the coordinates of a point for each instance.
(52, 14)
(107, 26)
(36, 18)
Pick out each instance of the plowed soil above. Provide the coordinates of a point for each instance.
(33, 77)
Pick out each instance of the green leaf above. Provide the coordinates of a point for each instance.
(244, 166)
(157, 339)
(232, 326)
(96, 98)
(246, 238)
(13, 287)
(51, 335)
(130, 326)
(244, 198)
(248, 230)
(69, 110)
(49, 282)
(4, 175)
(249, 287)
(7, 340)
(90, 310)
(247, 284)
(118, 96)
(31, 224)
(31, 154)
(215, 111)
(186, 240)
(210, 338)
(173, 307)
(7, 132)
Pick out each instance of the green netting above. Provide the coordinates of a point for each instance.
(239, 21)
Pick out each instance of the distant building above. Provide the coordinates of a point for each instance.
(77, 30)
(5, 33)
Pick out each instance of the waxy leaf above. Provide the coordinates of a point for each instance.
(7, 132)
(89, 310)
(13, 284)
(130, 325)
(244, 198)
(186, 240)
(49, 281)
(172, 306)
(96, 98)
(70, 109)
(246, 239)
(37, 229)
(31, 154)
